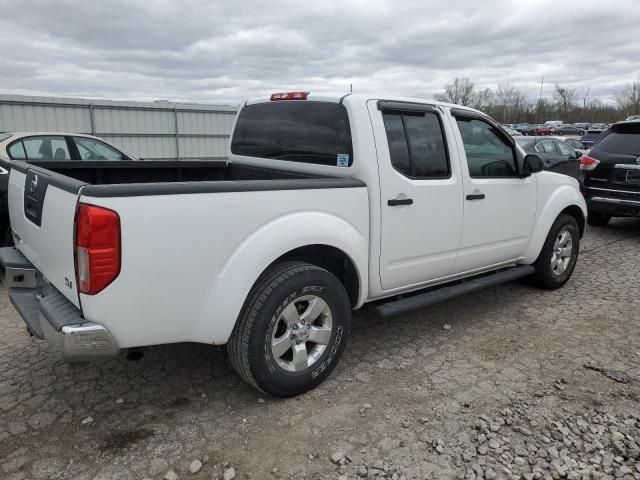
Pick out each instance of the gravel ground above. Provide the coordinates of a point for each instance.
(509, 383)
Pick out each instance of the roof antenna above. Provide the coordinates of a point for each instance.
(351, 87)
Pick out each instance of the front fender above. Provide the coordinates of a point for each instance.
(265, 245)
(558, 198)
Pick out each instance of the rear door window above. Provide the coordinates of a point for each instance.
(416, 144)
(295, 131)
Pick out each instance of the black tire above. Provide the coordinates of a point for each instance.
(545, 275)
(249, 346)
(598, 219)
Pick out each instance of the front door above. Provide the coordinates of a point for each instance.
(499, 206)
(421, 193)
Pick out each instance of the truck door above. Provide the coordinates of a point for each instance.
(499, 205)
(421, 193)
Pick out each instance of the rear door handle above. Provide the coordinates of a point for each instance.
(394, 202)
(475, 196)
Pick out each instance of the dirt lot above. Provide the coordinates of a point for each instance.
(492, 385)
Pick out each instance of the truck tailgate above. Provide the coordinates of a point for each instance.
(42, 208)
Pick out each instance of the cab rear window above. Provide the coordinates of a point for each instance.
(295, 131)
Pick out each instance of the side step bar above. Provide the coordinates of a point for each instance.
(421, 300)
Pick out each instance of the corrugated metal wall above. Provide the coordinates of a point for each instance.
(152, 130)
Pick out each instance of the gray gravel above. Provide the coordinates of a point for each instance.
(493, 385)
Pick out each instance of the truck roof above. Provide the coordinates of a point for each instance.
(362, 97)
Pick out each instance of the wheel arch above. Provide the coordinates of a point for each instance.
(331, 259)
(319, 238)
(576, 212)
(565, 199)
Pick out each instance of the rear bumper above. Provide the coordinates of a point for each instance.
(615, 206)
(49, 315)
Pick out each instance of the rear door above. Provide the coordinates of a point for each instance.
(499, 206)
(421, 193)
(42, 206)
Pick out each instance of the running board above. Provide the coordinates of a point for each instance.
(398, 307)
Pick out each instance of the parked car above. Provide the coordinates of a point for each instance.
(524, 129)
(511, 131)
(568, 130)
(575, 144)
(270, 252)
(590, 137)
(633, 117)
(583, 126)
(611, 174)
(557, 156)
(541, 130)
(36, 147)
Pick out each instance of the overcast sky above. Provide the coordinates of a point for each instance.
(221, 51)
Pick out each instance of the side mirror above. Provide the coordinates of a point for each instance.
(532, 164)
(578, 154)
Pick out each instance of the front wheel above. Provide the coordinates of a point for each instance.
(559, 254)
(292, 330)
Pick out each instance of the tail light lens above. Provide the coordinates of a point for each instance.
(588, 163)
(289, 96)
(97, 248)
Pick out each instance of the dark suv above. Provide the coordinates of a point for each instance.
(610, 178)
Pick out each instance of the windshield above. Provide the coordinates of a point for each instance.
(295, 131)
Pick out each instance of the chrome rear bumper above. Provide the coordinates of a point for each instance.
(49, 315)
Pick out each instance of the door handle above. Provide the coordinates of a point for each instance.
(476, 196)
(394, 202)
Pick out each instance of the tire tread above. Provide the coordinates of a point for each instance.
(238, 344)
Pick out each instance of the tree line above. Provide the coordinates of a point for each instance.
(509, 104)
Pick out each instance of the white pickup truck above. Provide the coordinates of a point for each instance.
(327, 203)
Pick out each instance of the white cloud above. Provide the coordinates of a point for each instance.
(223, 51)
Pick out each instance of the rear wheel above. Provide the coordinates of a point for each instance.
(559, 254)
(292, 330)
(598, 219)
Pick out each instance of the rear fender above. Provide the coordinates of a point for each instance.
(253, 256)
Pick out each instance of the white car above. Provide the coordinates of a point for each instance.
(328, 202)
(58, 146)
(48, 147)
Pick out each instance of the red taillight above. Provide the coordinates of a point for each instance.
(588, 163)
(289, 96)
(97, 248)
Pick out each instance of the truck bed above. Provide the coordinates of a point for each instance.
(106, 179)
(191, 233)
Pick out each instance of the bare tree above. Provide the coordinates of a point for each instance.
(459, 92)
(565, 99)
(482, 99)
(510, 103)
(628, 99)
